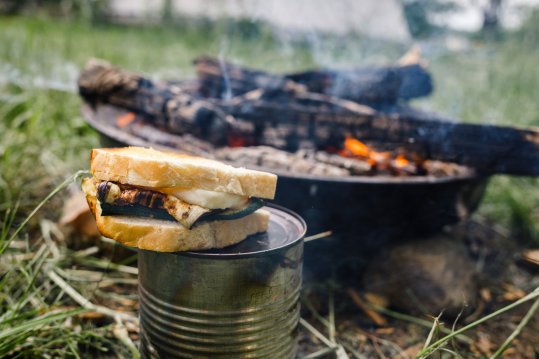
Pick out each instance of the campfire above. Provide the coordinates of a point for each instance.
(294, 123)
(406, 170)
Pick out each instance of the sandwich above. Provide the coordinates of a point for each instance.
(170, 202)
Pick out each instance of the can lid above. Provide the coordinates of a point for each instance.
(285, 228)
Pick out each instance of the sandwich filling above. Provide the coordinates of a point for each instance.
(186, 206)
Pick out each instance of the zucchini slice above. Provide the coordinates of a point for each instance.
(215, 215)
(233, 213)
(135, 210)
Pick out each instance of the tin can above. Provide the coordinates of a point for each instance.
(238, 302)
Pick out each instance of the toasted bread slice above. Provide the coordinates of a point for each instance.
(169, 236)
(147, 167)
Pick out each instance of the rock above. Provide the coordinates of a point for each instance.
(425, 276)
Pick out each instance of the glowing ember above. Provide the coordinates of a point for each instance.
(400, 161)
(381, 161)
(355, 147)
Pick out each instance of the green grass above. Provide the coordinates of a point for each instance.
(44, 139)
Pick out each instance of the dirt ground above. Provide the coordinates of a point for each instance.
(501, 277)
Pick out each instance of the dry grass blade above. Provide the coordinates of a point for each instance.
(529, 315)
(120, 332)
(320, 353)
(440, 342)
(77, 297)
(107, 265)
(316, 333)
(331, 304)
(435, 326)
(418, 321)
(5, 243)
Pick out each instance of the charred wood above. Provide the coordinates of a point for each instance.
(169, 106)
(272, 158)
(295, 119)
(369, 85)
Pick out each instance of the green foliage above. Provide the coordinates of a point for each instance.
(418, 12)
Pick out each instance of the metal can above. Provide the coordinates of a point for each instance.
(238, 302)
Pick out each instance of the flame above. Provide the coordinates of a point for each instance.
(400, 161)
(354, 148)
(125, 119)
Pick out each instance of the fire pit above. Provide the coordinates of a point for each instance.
(384, 205)
(412, 172)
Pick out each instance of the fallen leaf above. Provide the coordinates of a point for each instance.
(486, 295)
(484, 345)
(512, 293)
(377, 300)
(531, 256)
(374, 316)
(76, 214)
(410, 352)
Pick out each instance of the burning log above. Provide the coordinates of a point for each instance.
(368, 85)
(294, 119)
(168, 106)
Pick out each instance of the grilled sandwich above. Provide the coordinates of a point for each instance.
(170, 202)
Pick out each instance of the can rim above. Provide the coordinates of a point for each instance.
(273, 209)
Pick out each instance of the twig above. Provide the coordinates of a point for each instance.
(375, 317)
(85, 303)
(436, 345)
(316, 333)
(517, 330)
(318, 236)
(417, 321)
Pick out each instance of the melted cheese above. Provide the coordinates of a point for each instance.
(206, 199)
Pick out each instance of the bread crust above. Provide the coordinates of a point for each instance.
(147, 167)
(169, 236)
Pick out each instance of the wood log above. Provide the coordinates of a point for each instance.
(369, 85)
(295, 119)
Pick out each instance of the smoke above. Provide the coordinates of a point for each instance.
(227, 92)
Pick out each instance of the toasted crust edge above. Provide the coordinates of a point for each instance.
(147, 167)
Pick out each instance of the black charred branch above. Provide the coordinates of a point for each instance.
(169, 106)
(370, 85)
(294, 119)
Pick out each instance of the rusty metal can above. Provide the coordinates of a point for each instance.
(238, 302)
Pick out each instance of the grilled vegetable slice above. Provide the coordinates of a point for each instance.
(233, 213)
(130, 196)
(159, 213)
(135, 210)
